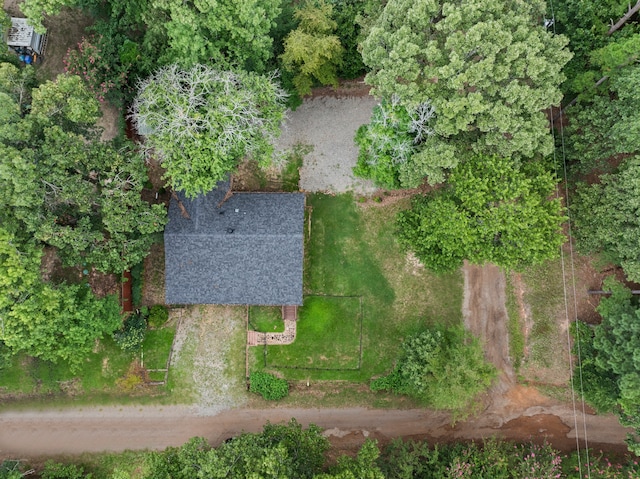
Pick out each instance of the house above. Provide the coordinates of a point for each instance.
(245, 249)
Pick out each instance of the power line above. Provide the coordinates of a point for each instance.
(564, 285)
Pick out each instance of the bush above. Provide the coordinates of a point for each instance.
(56, 470)
(158, 316)
(444, 368)
(131, 335)
(268, 386)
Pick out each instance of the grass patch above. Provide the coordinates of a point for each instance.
(290, 175)
(328, 337)
(546, 360)
(157, 346)
(156, 376)
(102, 367)
(515, 325)
(352, 251)
(266, 319)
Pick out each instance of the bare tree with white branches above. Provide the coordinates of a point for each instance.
(201, 122)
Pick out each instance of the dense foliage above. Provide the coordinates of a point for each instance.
(445, 368)
(488, 69)
(288, 452)
(61, 187)
(202, 122)
(280, 451)
(607, 125)
(132, 333)
(389, 144)
(589, 27)
(268, 386)
(610, 368)
(606, 217)
(490, 211)
(311, 51)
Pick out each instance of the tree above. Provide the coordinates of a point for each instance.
(390, 144)
(226, 33)
(59, 323)
(607, 125)
(35, 10)
(487, 68)
(613, 352)
(363, 466)
(65, 187)
(202, 122)
(311, 51)
(606, 217)
(588, 25)
(491, 211)
(280, 451)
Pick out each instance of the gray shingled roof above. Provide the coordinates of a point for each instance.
(247, 251)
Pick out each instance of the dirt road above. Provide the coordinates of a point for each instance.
(37, 433)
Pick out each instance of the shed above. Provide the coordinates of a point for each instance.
(247, 249)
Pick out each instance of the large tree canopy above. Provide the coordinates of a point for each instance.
(311, 51)
(51, 322)
(491, 211)
(60, 186)
(65, 187)
(227, 33)
(606, 217)
(607, 125)
(488, 68)
(610, 366)
(202, 122)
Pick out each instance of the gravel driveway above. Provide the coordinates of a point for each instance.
(328, 125)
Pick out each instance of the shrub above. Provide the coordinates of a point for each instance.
(56, 470)
(158, 316)
(87, 62)
(268, 386)
(131, 335)
(444, 368)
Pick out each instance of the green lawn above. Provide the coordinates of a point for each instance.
(546, 358)
(336, 318)
(157, 346)
(31, 375)
(98, 375)
(266, 319)
(351, 251)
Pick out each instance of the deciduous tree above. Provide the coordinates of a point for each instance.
(491, 211)
(65, 187)
(312, 51)
(612, 351)
(488, 68)
(202, 122)
(606, 217)
(226, 33)
(443, 367)
(607, 125)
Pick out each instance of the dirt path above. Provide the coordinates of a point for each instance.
(28, 434)
(485, 315)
